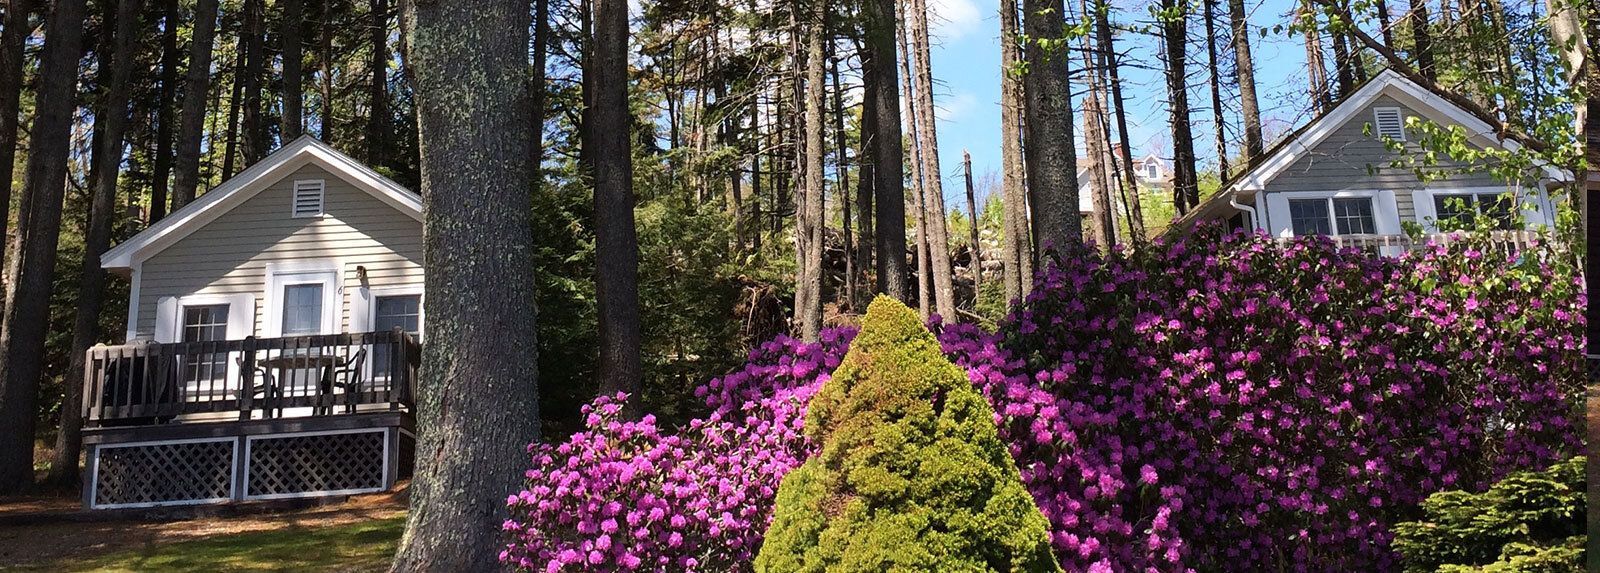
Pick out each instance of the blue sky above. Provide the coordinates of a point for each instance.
(966, 67)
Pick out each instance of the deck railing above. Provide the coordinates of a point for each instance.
(1508, 241)
(156, 383)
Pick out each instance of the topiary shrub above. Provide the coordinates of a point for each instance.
(1527, 522)
(911, 474)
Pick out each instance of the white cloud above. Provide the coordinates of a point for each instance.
(955, 107)
(949, 20)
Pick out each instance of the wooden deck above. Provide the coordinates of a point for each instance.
(259, 418)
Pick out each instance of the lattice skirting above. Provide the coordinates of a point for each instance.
(320, 463)
(170, 473)
(235, 468)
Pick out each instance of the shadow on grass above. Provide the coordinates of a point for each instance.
(364, 546)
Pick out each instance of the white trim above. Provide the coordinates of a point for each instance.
(234, 192)
(364, 305)
(133, 304)
(94, 474)
(1388, 82)
(320, 186)
(324, 272)
(1385, 210)
(244, 494)
(1538, 215)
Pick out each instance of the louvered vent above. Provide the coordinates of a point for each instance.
(308, 198)
(1389, 123)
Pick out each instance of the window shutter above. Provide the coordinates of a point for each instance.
(1389, 123)
(308, 198)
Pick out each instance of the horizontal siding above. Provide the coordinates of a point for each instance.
(230, 255)
(1350, 160)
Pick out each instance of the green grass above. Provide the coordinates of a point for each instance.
(365, 546)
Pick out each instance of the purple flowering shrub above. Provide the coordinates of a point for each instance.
(1211, 403)
(630, 496)
(1245, 407)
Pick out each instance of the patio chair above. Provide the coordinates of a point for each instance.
(265, 385)
(347, 376)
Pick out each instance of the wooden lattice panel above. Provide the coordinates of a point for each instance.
(306, 464)
(163, 474)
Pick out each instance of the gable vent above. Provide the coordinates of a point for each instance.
(308, 198)
(1389, 123)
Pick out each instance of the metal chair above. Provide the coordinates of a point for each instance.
(347, 376)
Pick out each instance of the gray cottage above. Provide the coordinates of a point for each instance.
(273, 335)
(1334, 176)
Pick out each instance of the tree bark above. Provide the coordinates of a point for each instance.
(866, 175)
(230, 151)
(378, 91)
(852, 256)
(1015, 244)
(919, 188)
(1131, 193)
(541, 55)
(1094, 137)
(1218, 121)
(159, 184)
(888, 156)
(1344, 70)
(25, 320)
(1245, 72)
(325, 60)
(1174, 26)
(810, 222)
(1052, 165)
(1421, 39)
(476, 410)
(197, 81)
(293, 75)
(12, 38)
(1317, 69)
(943, 282)
(253, 132)
(974, 249)
(113, 111)
(616, 239)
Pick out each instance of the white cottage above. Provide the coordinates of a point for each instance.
(1333, 176)
(272, 340)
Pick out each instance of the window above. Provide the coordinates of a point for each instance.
(1333, 216)
(308, 198)
(1152, 170)
(1309, 217)
(207, 372)
(1388, 122)
(404, 311)
(302, 309)
(1456, 211)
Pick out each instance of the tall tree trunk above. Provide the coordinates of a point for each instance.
(1343, 64)
(1245, 72)
(1381, 8)
(1017, 242)
(1317, 69)
(810, 221)
(973, 248)
(197, 80)
(252, 137)
(888, 157)
(15, 34)
(1421, 39)
(932, 173)
(31, 265)
(919, 193)
(1131, 194)
(866, 177)
(1174, 35)
(113, 111)
(1094, 138)
(230, 151)
(541, 55)
(293, 76)
(476, 410)
(616, 239)
(1052, 163)
(170, 57)
(378, 91)
(1218, 121)
(852, 259)
(325, 61)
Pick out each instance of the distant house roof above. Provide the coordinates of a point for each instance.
(303, 151)
(1276, 160)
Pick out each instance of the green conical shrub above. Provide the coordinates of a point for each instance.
(912, 475)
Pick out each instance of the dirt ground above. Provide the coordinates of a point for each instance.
(54, 530)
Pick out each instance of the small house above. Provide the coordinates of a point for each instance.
(273, 337)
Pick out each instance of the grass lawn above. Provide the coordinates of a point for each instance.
(362, 546)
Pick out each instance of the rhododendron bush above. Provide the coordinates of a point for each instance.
(1215, 403)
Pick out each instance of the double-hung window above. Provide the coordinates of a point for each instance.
(391, 311)
(205, 373)
(1333, 216)
(1462, 210)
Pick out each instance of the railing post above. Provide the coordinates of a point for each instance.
(90, 366)
(399, 372)
(247, 377)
